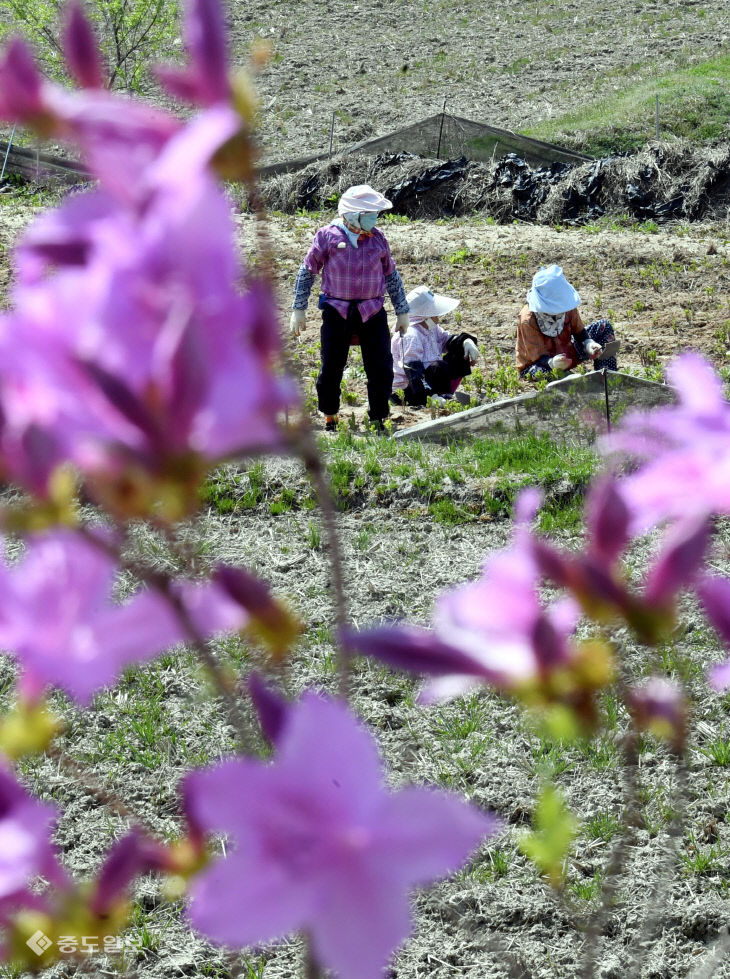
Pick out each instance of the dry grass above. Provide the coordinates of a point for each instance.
(663, 172)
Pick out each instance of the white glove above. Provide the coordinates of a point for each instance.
(559, 363)
(591, 348)
(471, 351)
(402, 322)
(297, 321)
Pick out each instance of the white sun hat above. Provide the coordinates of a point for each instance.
(423, 303)
(362, 199)
(551, 292)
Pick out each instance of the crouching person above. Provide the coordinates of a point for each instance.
(428, 361)
(551, 336)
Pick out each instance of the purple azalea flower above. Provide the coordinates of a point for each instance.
(81, 49)
(659, 705)
(26, 851)
(494, 630)
(608, 519)
(57, 617)
(118, 137)
(130, 342)
(714, 593)
(679, 561)
(130, 347)
(683, 450)
(21, 85)
(318, 845)
(205, 80)
(132, 856)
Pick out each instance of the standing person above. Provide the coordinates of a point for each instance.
(429, 361)
(357, 270)
(552, 336)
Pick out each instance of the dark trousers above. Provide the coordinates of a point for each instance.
(377, 359)
(438, 378)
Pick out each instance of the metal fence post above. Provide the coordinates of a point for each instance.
(7, 153)
(441, 129)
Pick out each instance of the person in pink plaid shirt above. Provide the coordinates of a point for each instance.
(357, 270)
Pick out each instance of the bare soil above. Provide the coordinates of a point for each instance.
(510, 63)
(664, 292)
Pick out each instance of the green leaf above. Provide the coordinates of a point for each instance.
(555, 828)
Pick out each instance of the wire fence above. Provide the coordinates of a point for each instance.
(442, 136)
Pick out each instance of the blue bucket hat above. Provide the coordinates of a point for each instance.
(551, 292)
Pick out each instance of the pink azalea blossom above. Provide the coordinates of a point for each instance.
(679, 561)
(683, 450)
(81, 48)
(660, 706)
(714, 593)
(130, 341)
(58, 619)
(494, 630)
(317, 844)
(132, 856)
(21, 85)
(205, 80)
(26, 850)
(130, 345)
(607, 518)
(117, 136)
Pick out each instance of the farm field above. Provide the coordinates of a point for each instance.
(514, 64)
(665, 289)
(415, 519)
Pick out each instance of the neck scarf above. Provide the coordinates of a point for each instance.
(353, 234)
(550, 325)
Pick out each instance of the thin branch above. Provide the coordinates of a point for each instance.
(200, 647)
(27, 16)
(312, 460)
(161, 585)
(617, 863)
(304, 445)
(103, 795)
(656, 901)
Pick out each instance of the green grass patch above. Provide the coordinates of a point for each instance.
(694, 103)
(462, 481)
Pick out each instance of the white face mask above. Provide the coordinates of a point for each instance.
(550, 324)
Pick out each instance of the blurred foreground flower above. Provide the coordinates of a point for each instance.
(318, 845)
(683, 450)
(57, 617)
(714, 594)
(659, 706)
(497, 630)
(26, 851)
(131, 350)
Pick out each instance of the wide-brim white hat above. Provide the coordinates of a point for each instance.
(551, 292)
(423, 303)
(362, 199)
